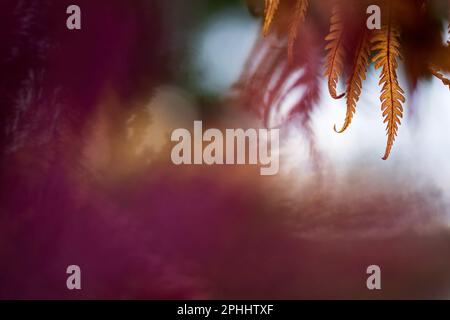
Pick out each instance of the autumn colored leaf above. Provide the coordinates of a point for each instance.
(387, 44)
(356, 77)
(301, 8)
(335, 57)
(270, 11)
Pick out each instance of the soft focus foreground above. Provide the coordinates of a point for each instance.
(86, 176)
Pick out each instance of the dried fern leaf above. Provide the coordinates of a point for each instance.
(386, 43)
(334, 65)
(270, 11)
(356, 77)
(301, 9)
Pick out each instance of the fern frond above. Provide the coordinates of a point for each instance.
(269, 15)
(335, 53)
(386, 42)
(301, 9)
(357, 76)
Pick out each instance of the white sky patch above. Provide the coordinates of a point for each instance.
(220, 51)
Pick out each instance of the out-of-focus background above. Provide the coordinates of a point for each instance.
(86, 176)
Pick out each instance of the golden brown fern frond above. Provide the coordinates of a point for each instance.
(269, 15)
(335, 52)
(301, 8)
(386, 42)
(356, 77)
